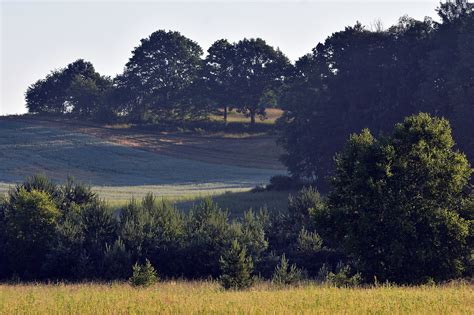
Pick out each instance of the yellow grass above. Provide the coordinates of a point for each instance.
(207, 297)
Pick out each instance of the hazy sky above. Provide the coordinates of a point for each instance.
(38, 36)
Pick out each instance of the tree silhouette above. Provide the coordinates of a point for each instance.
(161, 68)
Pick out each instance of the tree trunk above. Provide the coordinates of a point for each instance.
(225, 115)
(252, 117)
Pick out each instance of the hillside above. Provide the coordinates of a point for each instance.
(121, 162)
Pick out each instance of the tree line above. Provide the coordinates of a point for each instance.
(400, 209)
(166, 79)
(360, 78)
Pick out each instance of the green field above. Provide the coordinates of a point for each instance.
(207, 297)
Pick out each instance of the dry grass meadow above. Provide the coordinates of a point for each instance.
(208, 298)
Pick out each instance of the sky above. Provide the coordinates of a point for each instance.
(39, 36)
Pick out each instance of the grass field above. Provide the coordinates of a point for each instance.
(121, 163)
(208, 297)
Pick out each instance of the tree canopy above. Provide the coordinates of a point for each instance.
(77, 88)
(360, 78)
(160, 70)
(397, 203)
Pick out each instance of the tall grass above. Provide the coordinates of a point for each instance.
(208, 297)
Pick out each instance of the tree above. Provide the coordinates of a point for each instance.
(88, 94)
(236, 268)
(209, 235)
(155, 231)
(286, 274)
(219, 67)
(30, 219)
(258, 68)
(144, 275)
(360, 78)
(396, 204)
(161, 68)
(77, 88)
(450, 11)
(3, 240)
(448, 88)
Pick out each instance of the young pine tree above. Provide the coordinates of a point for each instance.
(236, 268)
(285, 274)
(144, 275)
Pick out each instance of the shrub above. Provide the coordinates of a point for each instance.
(236, 268)
(285, 274)
(283, 182)
(341, 278)
(143, 275)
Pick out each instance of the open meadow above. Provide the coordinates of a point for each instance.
(208, 297)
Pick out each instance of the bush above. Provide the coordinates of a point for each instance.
(285, 274)
(280, 182)
(341, 278)
(396, 205)
(236, 268)
(283, 182)
(143, 275)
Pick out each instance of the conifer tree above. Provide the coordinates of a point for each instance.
(236, 268)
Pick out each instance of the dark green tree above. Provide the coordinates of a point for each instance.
(219, 68)
(286, 274)
(144, 275)
(3, 241)
(30, 219)
(161, 69)
(88, 94)
(77, 88)
(258, 68)
(236, 268)
(396, 206)
(154, 230)
(208, 234)
(117, 261)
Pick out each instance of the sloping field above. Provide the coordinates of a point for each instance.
(122, 163)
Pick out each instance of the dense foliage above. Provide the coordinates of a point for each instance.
(236, 267)
(360, 78)
(159, 75)
(51, 231)
(400, 210)
(398, 203)
(77, 89)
